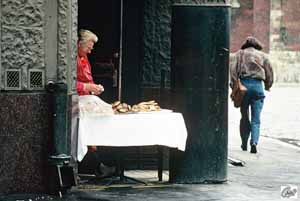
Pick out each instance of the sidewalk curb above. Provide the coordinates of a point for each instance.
(277, 141)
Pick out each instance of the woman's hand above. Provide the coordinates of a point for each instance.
(94, 88)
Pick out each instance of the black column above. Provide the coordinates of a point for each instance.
(199, 83)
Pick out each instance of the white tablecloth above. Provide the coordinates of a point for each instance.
(156, 128)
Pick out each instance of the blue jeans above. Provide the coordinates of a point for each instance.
(254, 99)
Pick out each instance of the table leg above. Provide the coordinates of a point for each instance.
(160, 162)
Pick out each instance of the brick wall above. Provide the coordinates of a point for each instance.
(277, 24)
(261, 19)
(241, 24)
(284, 40)
(290, 24)
(252, 18)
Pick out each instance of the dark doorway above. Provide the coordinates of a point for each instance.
(103, 18)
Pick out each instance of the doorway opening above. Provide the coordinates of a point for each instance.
(103, 18)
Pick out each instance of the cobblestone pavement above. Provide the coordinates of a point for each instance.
(280, 117)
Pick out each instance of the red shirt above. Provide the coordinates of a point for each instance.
(84, 75)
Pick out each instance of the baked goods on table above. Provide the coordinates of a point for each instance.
(145, 106)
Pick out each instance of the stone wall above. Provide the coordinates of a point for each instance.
(24, 141)
(276, 24)
(67, 42)
(24, 130)
(22, 38)
(286, 66)
(42, 35)
(285, 40)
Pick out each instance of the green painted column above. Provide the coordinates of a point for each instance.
(199, 84)
(60, 173)
(59, 99)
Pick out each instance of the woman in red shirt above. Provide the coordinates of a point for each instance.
(85, 84)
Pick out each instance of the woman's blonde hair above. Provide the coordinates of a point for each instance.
(86, 36)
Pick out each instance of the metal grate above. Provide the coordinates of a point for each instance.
(13, 79)
(36, 79)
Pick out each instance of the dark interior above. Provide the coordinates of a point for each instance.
(103, 18)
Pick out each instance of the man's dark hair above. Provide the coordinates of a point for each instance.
(252, 42)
